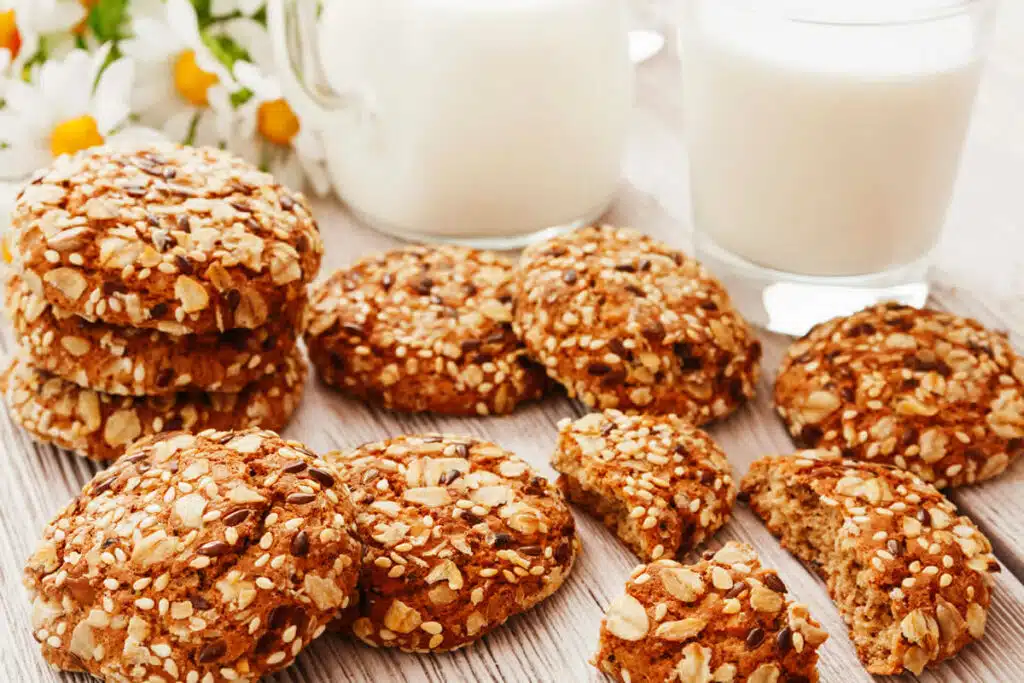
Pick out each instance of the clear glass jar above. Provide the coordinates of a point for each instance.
(824, 139)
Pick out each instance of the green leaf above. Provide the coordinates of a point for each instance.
(226, 50)
(107, 18)
(203, 10)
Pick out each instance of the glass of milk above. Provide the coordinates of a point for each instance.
(491, 123)
(824, 138)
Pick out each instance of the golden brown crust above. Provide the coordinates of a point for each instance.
(167, 237)
(100, 426)
(213, 558)
(459, 535)
(910, 576)
(423, 329)
(928, 392)
(141, 362)
(663, 485)
(724, 619)
(625, 322)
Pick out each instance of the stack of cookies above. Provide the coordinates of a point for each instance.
(156, 289)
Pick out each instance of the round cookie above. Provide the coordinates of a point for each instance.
(100, 426)
(206, 558)
(725, 618)
(623, 321)
(423, 329)
(928, 392)
(180, 239)
(910, 577)
(459, 535)
(141, 362)
(661, 484)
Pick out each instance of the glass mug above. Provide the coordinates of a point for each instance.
(824, 139)
(490, 123)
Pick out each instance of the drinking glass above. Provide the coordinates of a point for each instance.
(824, 138)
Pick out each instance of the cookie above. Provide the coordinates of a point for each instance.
(661, 484)
(459, 535)
(179, 239)
(206, 558)
(140, 362)
(623, 321)
(910, 577)
(723, 619)
(100, 426)
(928, 392)
(423, 329)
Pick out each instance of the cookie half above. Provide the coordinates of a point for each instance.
(661, 484)
(181, 239)
(723, 619)
(214, 557)
(423, 329)
(911, 578)
(459, 535)
(623, 321)
(100, 426)
(141, 362)
(929, 392)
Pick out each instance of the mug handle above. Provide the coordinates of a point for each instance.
(293, 37)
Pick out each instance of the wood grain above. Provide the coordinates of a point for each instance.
(979, 272)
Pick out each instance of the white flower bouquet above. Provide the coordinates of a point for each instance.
(79, 73)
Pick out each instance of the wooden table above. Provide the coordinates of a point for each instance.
(980, 272)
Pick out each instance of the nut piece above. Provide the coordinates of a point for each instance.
(122, 427)
(191, 294)
(682, 583)
(68, 281)
(401, 618)
(626, 618)
(695, 665)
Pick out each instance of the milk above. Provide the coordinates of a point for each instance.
(825, 149)
(477, 118)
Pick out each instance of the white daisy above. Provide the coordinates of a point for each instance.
(247, 8)
(267, 132)
(23, 22)
(66, 106)
(181, 87)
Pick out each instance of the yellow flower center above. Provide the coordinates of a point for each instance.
(74, 135)
(276, 121)
(191, 81)
(10, 36)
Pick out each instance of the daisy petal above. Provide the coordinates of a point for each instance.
(181, 17)
(111, 100)
(19, 161)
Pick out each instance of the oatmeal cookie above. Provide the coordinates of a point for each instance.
(725, 618)
(626, 322)
(661, 484)
(423, 329)
(928, 392)
(179, 239)
(140, 362)
(206, 558)
(459, 535)
(100, 426)
(911, 578)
